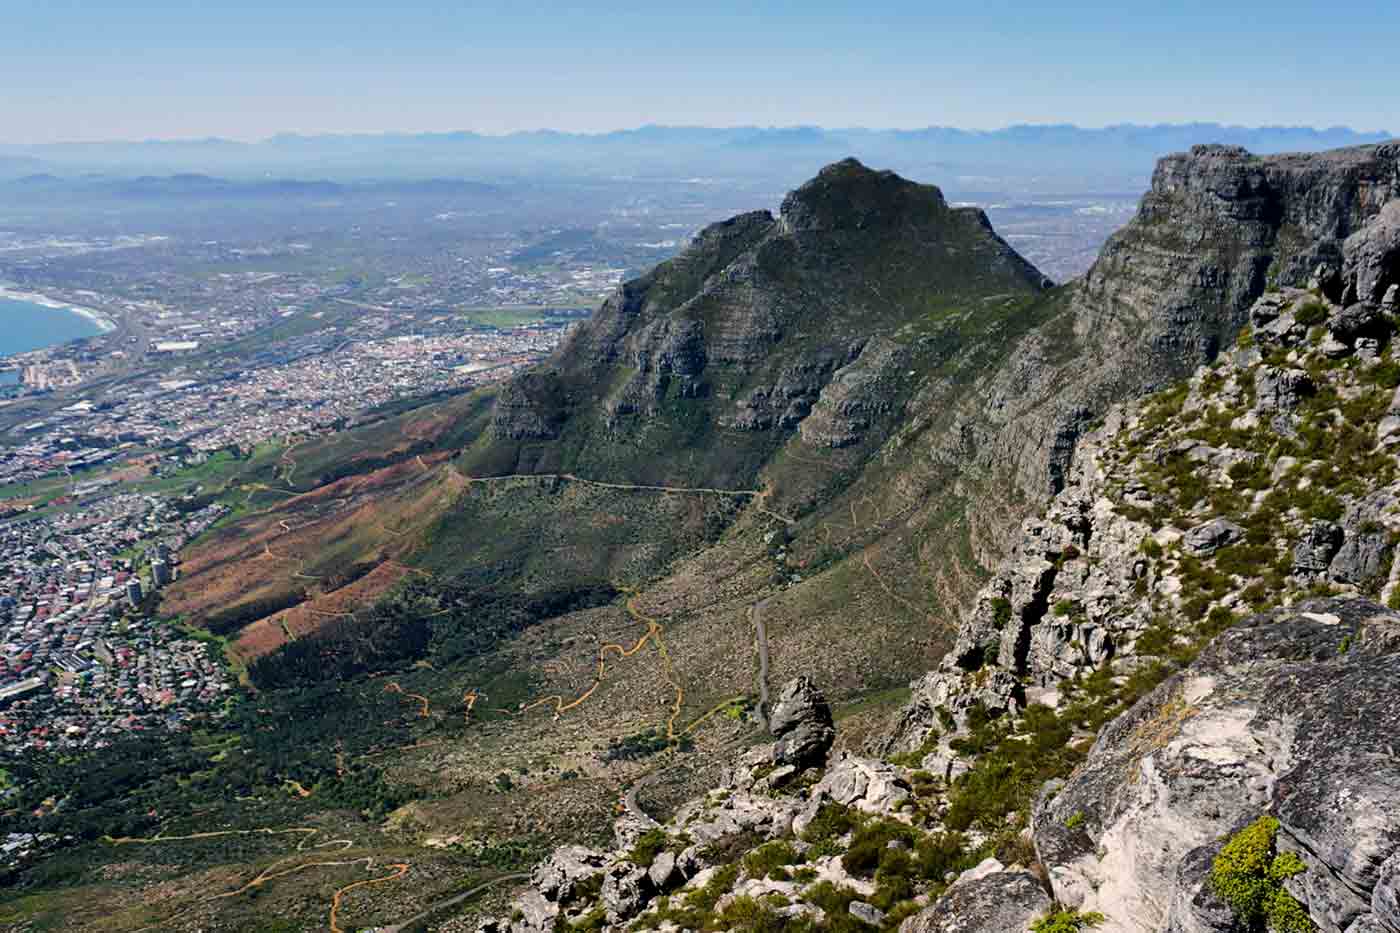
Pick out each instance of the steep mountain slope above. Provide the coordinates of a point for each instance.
(873, 376)
(1130, 733)
(811, 435)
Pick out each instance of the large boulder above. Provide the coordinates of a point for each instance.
(1315, 549)
(625, 890)
(1362, 558)
(567, 867)
(983, 901)
(1210, 537)
(1373, 256)
(801, 719)
(1294, 713)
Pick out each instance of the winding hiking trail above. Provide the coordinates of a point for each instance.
(760, 495)
(393, 687)
(400, 869)
(653, 634)
(761, 639)
(453, 901)
(278, 869)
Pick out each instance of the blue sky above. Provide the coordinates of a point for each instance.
(105, 69)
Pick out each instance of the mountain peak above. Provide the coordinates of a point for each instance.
(848, 195)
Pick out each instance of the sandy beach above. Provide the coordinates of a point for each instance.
(101, 319)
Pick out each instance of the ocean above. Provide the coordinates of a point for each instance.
(25, 326)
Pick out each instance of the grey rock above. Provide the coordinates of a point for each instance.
(1358, 320)
(857, 393)
(867, 913)
(1373, 256)
(1194, 907)
(806, 744)
(625, 889)
(1003, 902)
(1210, 537)
(1315, 549)
(662, 870)
(1362, 558)
(1391, 300)
(802, 721)
(1279, 390)
(1266, 309)
(867, 784)
(798, 701)
(1385, 898)
(706, 820)
(536, 912)
(567, 867)
(1334, 349)
(1264, 721)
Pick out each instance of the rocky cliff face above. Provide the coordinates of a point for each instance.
(1172, 707)
(897, 380)
(1292, 715)
(764, 320)
(1266, 478)
(1218, 227)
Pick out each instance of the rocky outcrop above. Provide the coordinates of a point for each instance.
(987, 899)
(1372, 256)
(1168, 292)
(1265, 477)
(761, 800)
(856, 395)
(801, 721)
(1294, 713)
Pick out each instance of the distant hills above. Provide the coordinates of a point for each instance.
(190, 186)
(1032, 157)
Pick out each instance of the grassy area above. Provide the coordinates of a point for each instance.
(504, 317)
(44, 488)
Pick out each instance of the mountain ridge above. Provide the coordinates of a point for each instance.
(1045, 158)
(1176, 678)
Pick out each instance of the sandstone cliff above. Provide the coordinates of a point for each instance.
(1181, 658)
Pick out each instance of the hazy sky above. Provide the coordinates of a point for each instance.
(102, 69)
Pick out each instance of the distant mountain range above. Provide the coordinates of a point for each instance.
(193, 187)
(1029, 157)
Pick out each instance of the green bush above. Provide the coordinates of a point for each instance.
(1311, 314)
(1248, 874)
(870, 846)
(831, 823)
(649, 845)
(1062, 920)
(770, 860)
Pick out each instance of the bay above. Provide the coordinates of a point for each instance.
(26, 326)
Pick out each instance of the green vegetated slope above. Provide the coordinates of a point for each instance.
(829, 422)
(776, 357)
(1251, 504)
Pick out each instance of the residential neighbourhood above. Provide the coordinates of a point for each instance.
(80, 663)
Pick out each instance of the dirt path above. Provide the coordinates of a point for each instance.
(400, 869)
(454, 901)
(393, 687)
(278, 869)
(759, 495)
(761, 640)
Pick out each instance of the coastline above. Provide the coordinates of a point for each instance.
(101, 319)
